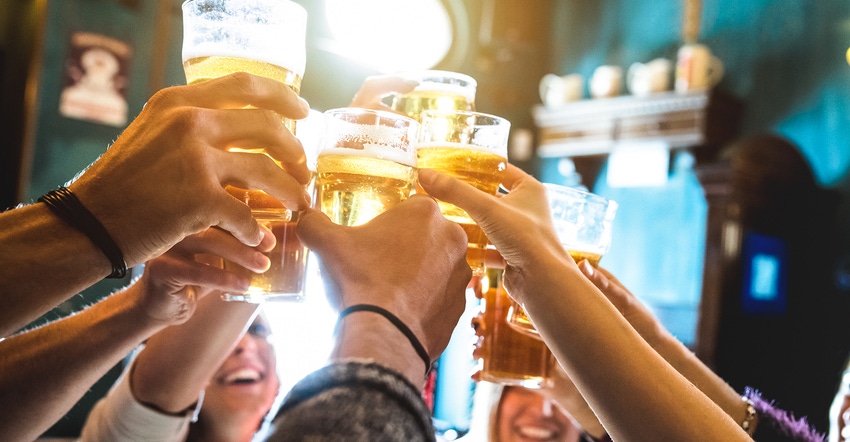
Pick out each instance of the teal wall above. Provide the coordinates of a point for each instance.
(785, 59)
(64, 146)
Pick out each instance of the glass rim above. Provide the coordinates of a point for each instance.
(426, 74)
(590, 196)
(439, 112)
(289, 3)
(368, 111)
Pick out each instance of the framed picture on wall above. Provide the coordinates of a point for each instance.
(95, 79)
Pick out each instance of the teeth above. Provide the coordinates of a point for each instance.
(243, 375)
(536, 433)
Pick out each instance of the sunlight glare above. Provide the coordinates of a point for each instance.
(391, 35)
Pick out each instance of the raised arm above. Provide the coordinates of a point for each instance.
(45, 371)
(635, 393)
(177, 362)
(409, 262)
(162, 179)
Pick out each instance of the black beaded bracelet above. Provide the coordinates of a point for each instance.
(420, 349)
(68, 207)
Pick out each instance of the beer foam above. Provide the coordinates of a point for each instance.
(502, 152)
(276, 36)
(452, 83)
(447, 89)
(379, 151)
(394, 143)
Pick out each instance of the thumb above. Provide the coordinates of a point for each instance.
(596, 277)
(455, 191)
(315, 229)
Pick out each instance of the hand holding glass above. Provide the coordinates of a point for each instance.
(265, 38)
(584, 223)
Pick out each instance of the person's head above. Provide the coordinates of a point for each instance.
(246, 384)
(523, 415)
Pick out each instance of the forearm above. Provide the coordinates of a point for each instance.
(177, 362)
(686, 363)
(34, 243)
(44, 372)
(612, 366)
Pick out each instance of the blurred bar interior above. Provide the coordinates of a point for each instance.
(733, 216)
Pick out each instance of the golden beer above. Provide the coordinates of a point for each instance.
(436, 90)
(199, 69)
(508, 356)
(481, 168)
(284, 279)
(353, 189)
(366, 164)
(412, 104)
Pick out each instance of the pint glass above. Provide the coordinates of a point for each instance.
(472, 147)
(265, 38)
(261, 37)
(436, 90)
(366, 164)
(509, 356)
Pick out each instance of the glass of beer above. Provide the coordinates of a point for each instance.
(472, 147)
(507, 355)
(437, 90)
(366, 164)
(584, 223)
(266, 38)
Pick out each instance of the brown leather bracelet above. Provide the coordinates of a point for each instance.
(68, 207)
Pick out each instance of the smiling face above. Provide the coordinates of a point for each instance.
(526, 416)
(246, 384)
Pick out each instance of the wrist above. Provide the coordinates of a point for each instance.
(366, 335)
(67, 206)
(534, 280)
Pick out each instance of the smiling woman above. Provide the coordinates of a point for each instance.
(516, 414)
(201, 380)
(421, 32)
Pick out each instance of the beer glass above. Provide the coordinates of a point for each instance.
(436, 90)
(366, 164)
(265, 38)
(261, 37)
(472, 147)
(507, 355)
(584, 222)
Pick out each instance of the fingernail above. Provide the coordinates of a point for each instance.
(586, 268)
(263, 262)
(304, 104)
(269, 240)
(426, 176)
(243, 284)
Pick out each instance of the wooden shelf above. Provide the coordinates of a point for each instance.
(595, 127)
